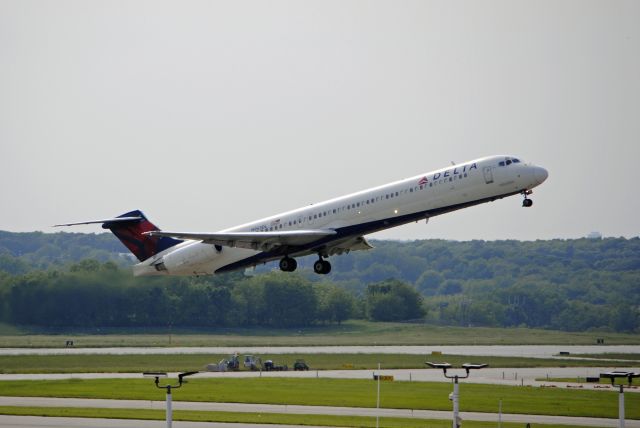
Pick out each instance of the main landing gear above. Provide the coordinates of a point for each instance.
(322, 267)
(288, 264)
(527, 202)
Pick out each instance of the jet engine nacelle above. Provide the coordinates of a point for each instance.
(189, 260)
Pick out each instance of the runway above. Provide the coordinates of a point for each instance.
(288, 409)
(45, 422)
(531, 351)
(496, 376)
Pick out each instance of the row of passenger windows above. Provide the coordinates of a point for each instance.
(370, 201)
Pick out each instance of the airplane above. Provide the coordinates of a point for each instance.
(327, 228)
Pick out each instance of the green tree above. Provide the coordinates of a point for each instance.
(393, 300)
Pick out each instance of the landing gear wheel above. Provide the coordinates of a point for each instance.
(527, 202)
(288, 264)
(322, 267)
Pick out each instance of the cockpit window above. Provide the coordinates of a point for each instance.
(508, 161)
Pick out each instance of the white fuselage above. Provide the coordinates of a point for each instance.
(357, 214)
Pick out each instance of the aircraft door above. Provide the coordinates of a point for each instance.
(488, 174)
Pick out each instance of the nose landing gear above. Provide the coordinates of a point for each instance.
(527, 202)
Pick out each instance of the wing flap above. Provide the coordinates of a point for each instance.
(353, 244)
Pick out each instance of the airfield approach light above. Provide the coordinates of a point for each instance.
(154, 374)
(168, 387)
(620, 375)
(455, 395)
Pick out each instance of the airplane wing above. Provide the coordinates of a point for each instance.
(263, 241)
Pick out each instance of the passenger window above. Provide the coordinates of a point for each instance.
(501, 163)
(515, 160)
(508, 161)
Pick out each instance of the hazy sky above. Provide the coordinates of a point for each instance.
(208, 114)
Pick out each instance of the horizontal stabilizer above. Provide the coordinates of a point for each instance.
(108, 220)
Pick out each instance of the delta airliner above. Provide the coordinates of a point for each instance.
(327, 228)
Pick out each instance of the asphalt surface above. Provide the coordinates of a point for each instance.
(45, 422)
(532, 351)
(496, 376)
(318, 410)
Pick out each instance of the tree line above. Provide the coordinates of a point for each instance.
(575, 285)
(91, 294)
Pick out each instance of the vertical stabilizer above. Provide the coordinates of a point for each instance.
(130, 228)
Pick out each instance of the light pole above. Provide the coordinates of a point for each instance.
(168, 387)
(456, 423)
(613, 376)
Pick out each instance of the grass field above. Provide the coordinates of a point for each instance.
(264, 418)
(187, 362)
(343, 392)
(348, 333)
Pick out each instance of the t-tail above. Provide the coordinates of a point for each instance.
(131, 228)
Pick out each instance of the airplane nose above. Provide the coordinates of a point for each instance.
(540, 174)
